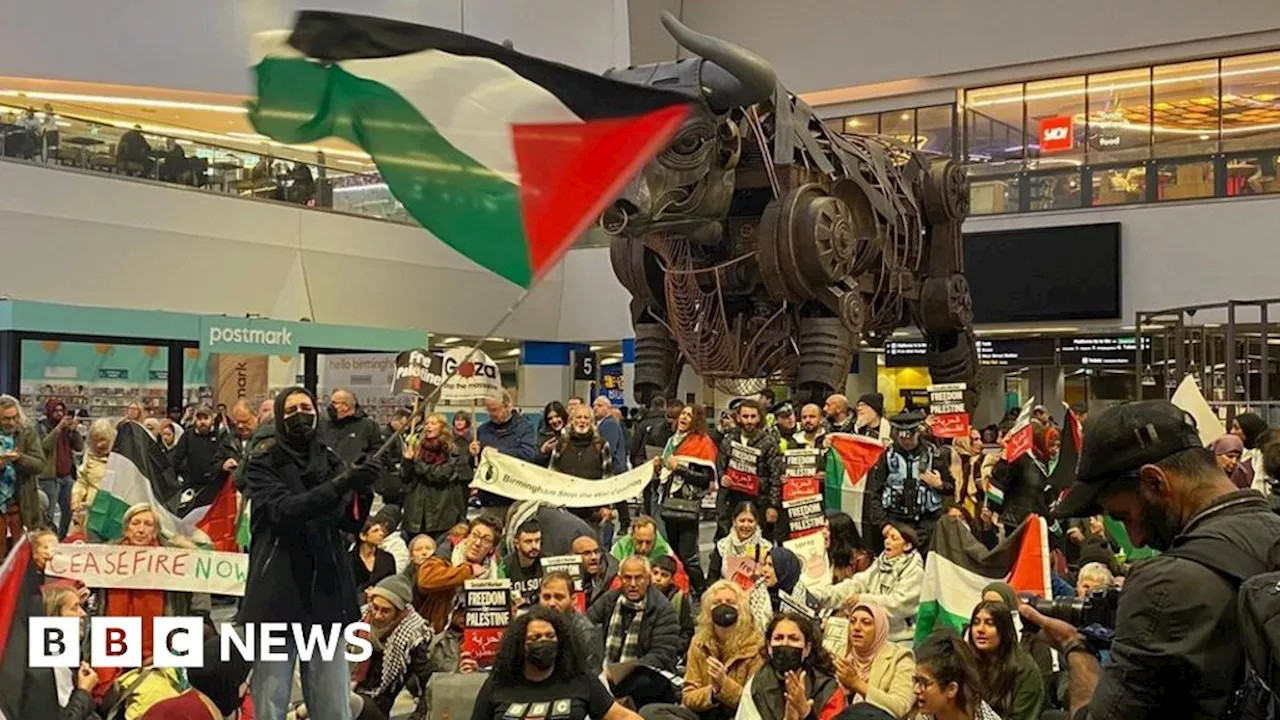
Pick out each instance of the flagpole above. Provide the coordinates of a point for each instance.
(428, 403)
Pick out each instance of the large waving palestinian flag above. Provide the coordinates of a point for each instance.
(506, 158)
(959, 567)
(25, 692)
(849, 457)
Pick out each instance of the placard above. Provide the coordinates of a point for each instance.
(811, 550)
(487, 613)
(835, 635)
(571, 564)
(475, 376)
(948, 416)
(418, 372)
(743, 472)
(151, 568)
(805, 514)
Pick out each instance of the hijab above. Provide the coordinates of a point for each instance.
(1006, 593)
(879, 636)
(297, 447)
(1253, 427)
(787, 567)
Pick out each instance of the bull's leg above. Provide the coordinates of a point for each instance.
(826, 346)
(657, 362)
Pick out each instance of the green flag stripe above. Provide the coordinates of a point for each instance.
(468, 206)
(106, 515)
(932, 617)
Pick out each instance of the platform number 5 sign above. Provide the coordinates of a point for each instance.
(586, 366)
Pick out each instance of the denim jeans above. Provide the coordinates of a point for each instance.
(325, 687)
(64, 504)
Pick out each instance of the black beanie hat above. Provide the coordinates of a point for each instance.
(875, 401)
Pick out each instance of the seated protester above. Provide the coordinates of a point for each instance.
(893, 583)
(779, 573)
(1031, 641)
(876, 671)
(947, 683)
(439, 580)
(1093, 576)
(559, 527)
(393, 542)
(797, 681)
(74, 685)
(723, 657)
(1011, 681)
(370, 563)
(421, 547)
(638, 622)
(846, 552)
(744, 540)
(541, 664)
(224, 684)
(599, 569)
(664, 571)
(645, 540)
(556, 594)
(401, 652)
(435, 472)
(523, 566)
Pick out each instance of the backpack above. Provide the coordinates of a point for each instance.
(1257, 695)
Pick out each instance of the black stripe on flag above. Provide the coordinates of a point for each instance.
(24, 692)
(334, 36)
(135, 443)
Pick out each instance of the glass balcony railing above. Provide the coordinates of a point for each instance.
(339, 180)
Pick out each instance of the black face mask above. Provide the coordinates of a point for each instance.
(542, 653)
(300, 426)
(786, 658)
(725, 616)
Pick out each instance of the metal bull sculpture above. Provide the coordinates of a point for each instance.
(763, 245)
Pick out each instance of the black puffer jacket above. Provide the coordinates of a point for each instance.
(1024, 486)
(353, 436)
(301, 505)
(659, 629)
(583, 456)
(435, 494)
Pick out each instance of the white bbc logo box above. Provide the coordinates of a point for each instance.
(115, 642)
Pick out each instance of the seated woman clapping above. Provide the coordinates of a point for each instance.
(542, 667)
(876, 671)
(798, 680)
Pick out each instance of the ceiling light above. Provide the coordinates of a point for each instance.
(611, 361)
(495, 339)
(113, 100)
(595, 348)
(450, 340)
(1204, 136)
(905, 116)
(513, 352)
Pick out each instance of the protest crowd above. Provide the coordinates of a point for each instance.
(807, 605)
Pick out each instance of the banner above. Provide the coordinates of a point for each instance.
(508, 477)
(743, 473)
(151, 568)
(475, 376)
(571, 564)
(239, 377)
(805, 514)
(418, 372)
(811, 549)
(948, 416)
(487, 608)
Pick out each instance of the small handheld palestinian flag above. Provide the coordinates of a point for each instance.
(506, 158)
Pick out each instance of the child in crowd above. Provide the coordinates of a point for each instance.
(663, 575)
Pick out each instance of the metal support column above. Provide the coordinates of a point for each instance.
(10, 363)
(310, 370)
(1266, 354)
(1231, 360)
(174, 395)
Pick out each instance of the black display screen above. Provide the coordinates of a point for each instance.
(1101, 351)
(1017, 352)
(1041, 274)
(905, 353)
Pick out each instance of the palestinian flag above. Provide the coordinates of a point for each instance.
(506, 158)
(959, 567)
(138, 472)
(25, 692)
(848, 460)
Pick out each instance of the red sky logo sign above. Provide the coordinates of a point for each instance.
(1057, 134)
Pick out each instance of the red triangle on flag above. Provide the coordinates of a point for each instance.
(570, 172)
(12, 578)
(1031, 565)
(219, 522)
(858, 454)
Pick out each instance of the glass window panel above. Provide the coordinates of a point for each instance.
(993, 126)
(899, 125)
(1185, 113)
(934, 128)
(836, 124)
(1251, 102)
(991, 193)
(1054, 190)
(864, 124)
(1119, 185)
(1185, 180)
(1055, 123)
(1119, 116)
(1252, 174)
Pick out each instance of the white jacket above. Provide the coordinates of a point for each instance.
(394, 545)
(895, 586)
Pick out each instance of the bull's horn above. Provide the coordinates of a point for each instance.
(757, 76)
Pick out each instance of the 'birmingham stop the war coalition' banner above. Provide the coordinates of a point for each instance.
(151, 568)
(518, 480)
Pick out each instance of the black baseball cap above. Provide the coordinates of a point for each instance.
(1121, 440)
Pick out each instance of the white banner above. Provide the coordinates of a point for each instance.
(511, 478)
(475, 376)
(151, 568)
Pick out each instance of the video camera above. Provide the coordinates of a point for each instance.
(1094, 615)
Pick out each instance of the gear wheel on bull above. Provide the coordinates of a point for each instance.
(807, 241)
(946, 195)
(945, 303)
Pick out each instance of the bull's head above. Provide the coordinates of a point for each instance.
(688, 187)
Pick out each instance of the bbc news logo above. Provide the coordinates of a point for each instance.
(116, 642)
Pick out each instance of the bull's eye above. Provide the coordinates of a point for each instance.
(687, 143)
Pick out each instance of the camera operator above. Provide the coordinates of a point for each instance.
(304, 496)
(1176, 651)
